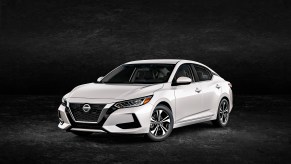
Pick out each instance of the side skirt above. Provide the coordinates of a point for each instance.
(190, 122)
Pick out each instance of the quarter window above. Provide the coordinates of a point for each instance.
(203, 73)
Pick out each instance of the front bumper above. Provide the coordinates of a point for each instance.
(134, 120)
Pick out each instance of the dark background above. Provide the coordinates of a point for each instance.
(50, 46)
(47, 47)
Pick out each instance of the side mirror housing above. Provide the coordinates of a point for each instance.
(183, 81)
(99, 79)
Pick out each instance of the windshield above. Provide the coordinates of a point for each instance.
(140, 73)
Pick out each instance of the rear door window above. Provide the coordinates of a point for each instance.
(203, 73)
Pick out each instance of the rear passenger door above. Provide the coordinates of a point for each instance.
(209, 90)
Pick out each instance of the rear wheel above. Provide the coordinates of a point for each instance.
(79, 133)
(222, 114)
(161, 124)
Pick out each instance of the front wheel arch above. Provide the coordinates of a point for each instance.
(165, 104)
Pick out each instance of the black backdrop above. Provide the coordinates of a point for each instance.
(50, 46)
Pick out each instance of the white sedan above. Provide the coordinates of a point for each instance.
(150, 97)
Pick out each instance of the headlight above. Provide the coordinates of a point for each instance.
(133, 102)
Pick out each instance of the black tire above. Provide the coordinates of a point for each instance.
(83, 134)
(220, 121)
(162, 125)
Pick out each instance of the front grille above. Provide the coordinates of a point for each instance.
(80, 115)
(85, 125)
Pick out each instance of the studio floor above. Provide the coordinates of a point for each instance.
(259, 132)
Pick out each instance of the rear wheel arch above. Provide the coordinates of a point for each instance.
(218, 100)
(222, 116)
(224, 97)
(229, 99)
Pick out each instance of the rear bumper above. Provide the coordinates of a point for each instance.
(134, 120)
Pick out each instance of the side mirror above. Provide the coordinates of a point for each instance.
(183, 81)
(99, 79)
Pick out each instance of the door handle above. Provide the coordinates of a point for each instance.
(217, 86)
(197, 90)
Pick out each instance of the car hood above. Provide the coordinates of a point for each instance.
(113, 91)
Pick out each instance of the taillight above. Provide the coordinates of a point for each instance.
(230, 85)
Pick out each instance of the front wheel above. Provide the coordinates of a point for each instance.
(222, 114)
(161, 124)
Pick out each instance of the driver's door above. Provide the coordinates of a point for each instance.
(188, 99)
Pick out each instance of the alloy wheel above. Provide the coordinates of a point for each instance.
(160, 123)
(224, 112)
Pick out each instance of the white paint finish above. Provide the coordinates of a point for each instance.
(194, 121)
(196, 116)
(91, 100)
(190, 103)
(183, 80)
(64, 117)
(64, 126)
(143, 114)
(119, 118)
(209, 94)
(113, 91)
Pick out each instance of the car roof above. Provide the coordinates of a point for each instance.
(164, 61)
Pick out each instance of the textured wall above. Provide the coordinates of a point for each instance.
(51, 46)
